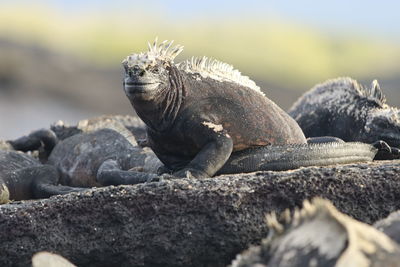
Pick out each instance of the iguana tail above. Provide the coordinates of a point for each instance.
(287, 157)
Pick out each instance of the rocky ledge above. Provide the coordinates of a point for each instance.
(186, 222)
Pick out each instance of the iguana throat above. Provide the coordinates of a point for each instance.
(160, 111)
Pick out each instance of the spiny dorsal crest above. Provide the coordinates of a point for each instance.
(156, 53)
(374, 93)
(324, 220)
(217, 70)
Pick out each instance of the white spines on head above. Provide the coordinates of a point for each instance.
(156, 52)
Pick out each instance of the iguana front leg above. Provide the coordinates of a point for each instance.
(110, 173)
(386, 152)
(216, 147)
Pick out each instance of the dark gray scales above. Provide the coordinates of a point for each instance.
(201, 112)
(103, 157)
(93, 155)
(23, 177)
(344, 108)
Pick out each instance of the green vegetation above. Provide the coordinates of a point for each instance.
(274, 51)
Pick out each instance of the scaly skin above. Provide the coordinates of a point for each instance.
(343, 108)
(102, 157)
(91, 154)
(23, 177)
(197, 116)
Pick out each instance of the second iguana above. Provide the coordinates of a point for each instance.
(344, 108)
(96, 152)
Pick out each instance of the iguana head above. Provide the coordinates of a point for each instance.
(383, 121)
(148, 73)
(384, 124)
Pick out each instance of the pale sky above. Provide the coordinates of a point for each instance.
(381, 18)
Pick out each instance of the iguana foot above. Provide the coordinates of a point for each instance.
(110, 173)
(163, 170)
(386, 152)
(43, 140)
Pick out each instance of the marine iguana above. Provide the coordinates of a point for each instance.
(103, 157)
(319, 235)
(104, 153)
(44, 140)
(344, 108)
(203, 117)
(23, 177)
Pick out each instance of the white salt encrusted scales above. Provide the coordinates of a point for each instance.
(373, 93)
(217, 70)
(156, 52)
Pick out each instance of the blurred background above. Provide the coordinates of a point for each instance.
(61, 60)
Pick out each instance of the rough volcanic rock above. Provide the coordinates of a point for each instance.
(186, 222)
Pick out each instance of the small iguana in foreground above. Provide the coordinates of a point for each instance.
(103, 153)
(343, 108)
(319, 235)
(204, 118)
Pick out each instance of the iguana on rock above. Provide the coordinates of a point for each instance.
(126, 125)
(44, 140)
(204, 118)
(23, 177)
(102, 152)
(343, 108)
(102, 157)
(319, 235)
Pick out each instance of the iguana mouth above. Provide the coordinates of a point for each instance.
(140, 87)
(139, 84)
